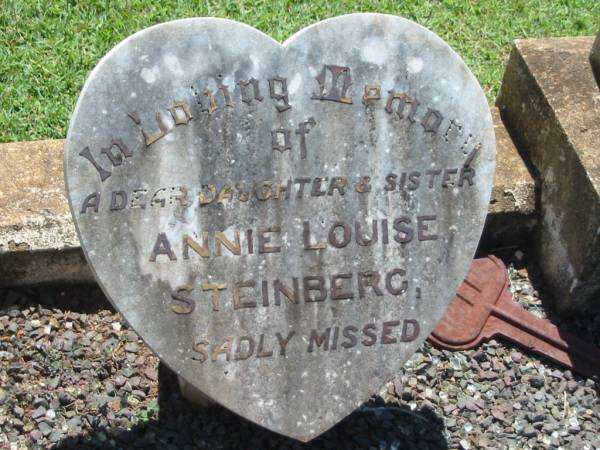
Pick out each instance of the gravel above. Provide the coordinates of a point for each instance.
(73, 375)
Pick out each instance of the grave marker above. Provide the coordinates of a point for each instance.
(283, 224)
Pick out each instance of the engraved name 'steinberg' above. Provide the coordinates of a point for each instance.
(283, 224)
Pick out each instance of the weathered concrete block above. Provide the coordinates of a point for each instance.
(550, 104)
(38, 242)
(512, 214)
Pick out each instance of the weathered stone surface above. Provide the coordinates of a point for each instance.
(550, 104)
(300, 317)
(33, 199)
(595, 58)
(349, 104)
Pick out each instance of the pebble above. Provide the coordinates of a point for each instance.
(45, 428)
(18, 412)
(101, 388)
(132, 347)
(36, 435)
(537, 381)
(151, 374)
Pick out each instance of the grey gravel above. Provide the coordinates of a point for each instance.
(103, 396)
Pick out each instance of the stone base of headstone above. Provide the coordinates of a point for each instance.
(191, 394)
(550, 103)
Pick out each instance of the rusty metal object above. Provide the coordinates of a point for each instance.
(483, 308)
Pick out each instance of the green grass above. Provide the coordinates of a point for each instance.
(47, 48)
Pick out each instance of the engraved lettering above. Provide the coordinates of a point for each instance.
(306, 238)
(200, 348)
(403, 100)
(263, 353)
(234, 247)
(238, 300)
(303, 129)
(372, 94)
(116, 159)
(226, 95)
(369, 279)
(104, 174)
(390, 286)
(333, 235)
(244, 86)
(361, 240)
(432, 120)
(223, 349)
(387, 329)
(278, 91)
(316, 190)
(369, 331)
(314, 283)
(349, 333)
(447, 179)
(335, 92)
(318, 340)
(409, 335)
(283, 343)
(241, 354)
(301, 182)
(212, 194)
(404, 232)
(91, 201)
(137, 201)
(215, 298)
(337, 290)
(212, 102)
(281, 139)
(201, 250)
(339, 184)
(293, 296)
(264, 240)
(162, 246)
(422, 228)
(184, 303)
(181, 113)
(363, 185)
(118, 200)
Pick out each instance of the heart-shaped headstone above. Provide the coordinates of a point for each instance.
(283, 224)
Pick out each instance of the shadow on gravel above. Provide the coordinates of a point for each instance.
(580, 331)
(179, 425)
(80, 298)
(184, 426)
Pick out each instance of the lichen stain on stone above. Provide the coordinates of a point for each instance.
(18, 246)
